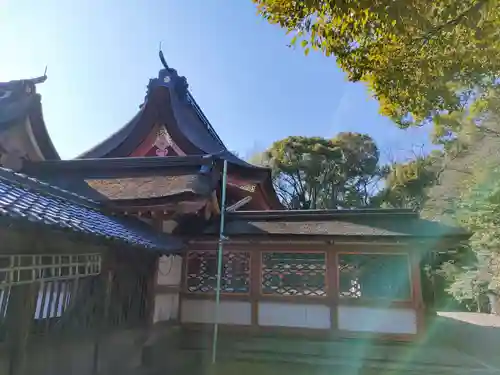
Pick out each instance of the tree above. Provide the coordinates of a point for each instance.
(476, 277)
(406, 185)
(314, 172)
(420, 58)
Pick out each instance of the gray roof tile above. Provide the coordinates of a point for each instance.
(26, 198)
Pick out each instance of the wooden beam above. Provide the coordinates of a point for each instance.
(215, 203)
(255, 286)
(107, 276)
(239, 204)
(158, 218)
(332, 291)
(207, 211)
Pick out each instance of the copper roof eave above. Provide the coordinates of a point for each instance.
(120, 167)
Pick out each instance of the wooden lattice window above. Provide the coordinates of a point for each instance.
(373, 276)
(25, 269)
(294, 274)
(202, 272)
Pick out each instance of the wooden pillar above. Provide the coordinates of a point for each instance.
(158, 218)
(151, 290)
(20, 315)
(255, 285)
(102, 324)
(332, 287)
(416, 290)
(183, 284)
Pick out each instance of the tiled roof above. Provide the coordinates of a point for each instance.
(26, 198)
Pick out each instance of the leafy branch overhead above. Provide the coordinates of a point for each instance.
(420, 58)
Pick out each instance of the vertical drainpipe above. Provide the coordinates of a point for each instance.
(219, 262)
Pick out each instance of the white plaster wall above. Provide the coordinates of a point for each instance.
(203, 311)
(279, 314)
(169, 270)
(166, 307)
(381, 320)
(166, 304)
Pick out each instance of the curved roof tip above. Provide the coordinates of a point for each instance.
(40, 79)
(162, 58)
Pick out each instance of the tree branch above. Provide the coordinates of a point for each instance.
(453, 22)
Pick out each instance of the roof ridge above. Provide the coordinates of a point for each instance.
(204, 119)
(127, 160)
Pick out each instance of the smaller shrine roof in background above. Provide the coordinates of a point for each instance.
(373, 223)
(29, 200)
(19, 102)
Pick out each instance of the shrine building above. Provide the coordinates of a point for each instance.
(149, 198)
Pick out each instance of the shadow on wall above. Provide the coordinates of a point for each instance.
(476, 334)
(119, 353)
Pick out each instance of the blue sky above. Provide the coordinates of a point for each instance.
(253, 88)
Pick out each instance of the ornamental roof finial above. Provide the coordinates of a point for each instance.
(162, 58)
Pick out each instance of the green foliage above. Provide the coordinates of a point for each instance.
(314, 172)
(479, 209)
(420, 58)
(406, 184)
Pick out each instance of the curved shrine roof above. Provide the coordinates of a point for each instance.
(169, 103)
(20, 102)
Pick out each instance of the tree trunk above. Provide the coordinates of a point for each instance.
(494, 301)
